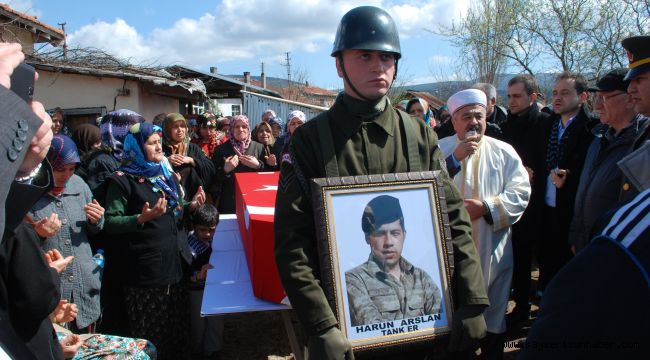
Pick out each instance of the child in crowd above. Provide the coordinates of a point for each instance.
(207, 332)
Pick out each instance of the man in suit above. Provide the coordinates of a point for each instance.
(19, 122)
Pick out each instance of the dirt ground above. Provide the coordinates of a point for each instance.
(261, 335)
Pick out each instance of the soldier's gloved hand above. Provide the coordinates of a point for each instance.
(329, 345)
(468, 326)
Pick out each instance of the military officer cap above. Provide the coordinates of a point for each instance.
(613, 80)
(381, 210)
(638, 53)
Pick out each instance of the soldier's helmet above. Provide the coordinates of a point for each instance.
(367, 28)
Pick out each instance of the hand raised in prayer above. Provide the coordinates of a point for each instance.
(71, 345)
(250, 161)
(46, 227)
(198, 199)
(270, 160)
(466, 147)
(148, 214)
(178, 160)
(56, 261)
(231, 163)
(94, 212)
(64, 312)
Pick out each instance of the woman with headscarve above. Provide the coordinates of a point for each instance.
(239, 154)
(294, 120)
(99, 161)
(80, 216)
(419, 108)
(263, 134)
(149, 251)
(208, 137)
(186, 158)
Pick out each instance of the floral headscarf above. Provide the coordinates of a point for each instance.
(168, 142)
(136, 163)
(115, 125)
(239, 146)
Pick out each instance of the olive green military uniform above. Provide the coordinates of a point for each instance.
(375, 296)
(368, 139)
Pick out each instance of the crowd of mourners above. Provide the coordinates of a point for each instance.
(149, 184)
(127, 227)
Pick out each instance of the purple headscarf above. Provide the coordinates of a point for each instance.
(114, 127)
(63, 151)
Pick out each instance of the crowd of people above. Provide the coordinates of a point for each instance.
(108, 227)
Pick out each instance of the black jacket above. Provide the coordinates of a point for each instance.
(578, 136)
(96, 166)
(154, 254)
(194, 176)
(227, 181)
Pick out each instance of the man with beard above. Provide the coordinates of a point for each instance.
(495, 186)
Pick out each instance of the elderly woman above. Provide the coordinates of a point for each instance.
(419, 108)
(294, 120)
(239, 154)
(263, 134)
(80, 216)
(187, 159)
(144, 213)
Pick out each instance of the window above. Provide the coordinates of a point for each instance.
(235, 110)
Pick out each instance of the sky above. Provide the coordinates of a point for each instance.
(238, 35)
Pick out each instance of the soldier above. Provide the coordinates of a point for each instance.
(406, 291)
(362, 134)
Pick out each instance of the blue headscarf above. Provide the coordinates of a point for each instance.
(135, 162)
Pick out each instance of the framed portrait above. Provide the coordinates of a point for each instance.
(386, 257)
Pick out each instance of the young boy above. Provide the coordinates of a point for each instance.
(207, 332)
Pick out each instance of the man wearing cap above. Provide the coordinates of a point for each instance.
(598, 189)
(362, 134)
(387, 286)
(638, 53)
(494, 183)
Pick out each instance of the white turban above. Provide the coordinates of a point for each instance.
(466, 97)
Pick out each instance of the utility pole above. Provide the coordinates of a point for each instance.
(288, 65)
(65, 41)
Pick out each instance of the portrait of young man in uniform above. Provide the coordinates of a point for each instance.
(388, 287)
(362, 134)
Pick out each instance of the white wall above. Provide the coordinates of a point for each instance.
(225, 106)
(73, 91)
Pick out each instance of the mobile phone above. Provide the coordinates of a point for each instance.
(22, 82)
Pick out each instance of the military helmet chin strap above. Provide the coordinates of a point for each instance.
(347, 79)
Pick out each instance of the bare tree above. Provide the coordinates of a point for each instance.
(482, 35)
(546, 35)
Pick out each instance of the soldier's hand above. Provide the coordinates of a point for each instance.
(467, 328)
(329, 345)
